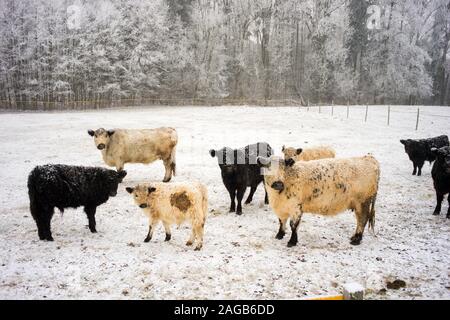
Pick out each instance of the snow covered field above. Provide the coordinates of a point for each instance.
(240, 257)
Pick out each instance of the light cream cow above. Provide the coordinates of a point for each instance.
(308, 154)
(325, 187)
(173, 203)
(120, 146)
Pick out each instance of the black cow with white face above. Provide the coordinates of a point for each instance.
(441, 177)
(240, 170)
(419, 151)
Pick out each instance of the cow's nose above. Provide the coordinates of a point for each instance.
(101, 146)
(143, 206)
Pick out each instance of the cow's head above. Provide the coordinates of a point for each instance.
(443, 157)
(101, 137)
(228, 159)
(274, 171)
(290, 153)
(112, 181)
(408, 144)
(141, 194)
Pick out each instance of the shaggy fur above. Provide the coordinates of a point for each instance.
(173, 203)
(419, 151)
(441, 177)
(308, 154)
(240, 170)
(121, 146)
(326, 187)
(61, 186)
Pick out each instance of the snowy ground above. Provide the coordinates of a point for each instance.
(240, 258)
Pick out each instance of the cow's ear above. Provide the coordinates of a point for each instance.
(403, 142)
(212, 153)
(263, 162)
(299, 150)
(111, 132)
(129, 190)
(91, 133)
(289, 162)
(283, 148)
(122, 174)
(151, 189)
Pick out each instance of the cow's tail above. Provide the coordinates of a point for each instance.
(32, 193)
(173, 160)
(372, 214)
(204, 203)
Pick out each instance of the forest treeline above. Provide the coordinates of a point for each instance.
(79, 53)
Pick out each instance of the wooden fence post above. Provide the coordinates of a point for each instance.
(417, 121)
(389, 115)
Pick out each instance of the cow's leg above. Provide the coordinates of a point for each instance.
(167, 229)
(198, 231)
(266, 197)
(362, 216)
(90, 212)
(119, 166)
(415, 169)
(252, 192)
(168, 168)
(439, 199)
(191, 238)
(240, 195)
(151, 227)
(46, 223)
(295, 221)
(420, 165)
(282, 230)
(448, 211)
(232, 193)
(37, 212)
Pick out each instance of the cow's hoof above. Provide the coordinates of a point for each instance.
(248, 201)
(168, 237)
(93, 230)
(189, 243)
(232, 209)
(448, 215)
(198, 247)
(280, 235)
(50, 238)
(356, 240)
(436, 213)
(239, 213)
(167, 180)
(266, 202)
(292, 244)
(147, 240)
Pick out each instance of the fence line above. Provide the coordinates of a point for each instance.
(419, 114)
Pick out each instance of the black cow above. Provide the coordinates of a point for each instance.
(419, 151)
(240, 170)
(441, 177)
(61, 186)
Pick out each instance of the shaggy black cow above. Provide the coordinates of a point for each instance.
(419, 151)
(240, 170)
(441, 177)
(61, 186)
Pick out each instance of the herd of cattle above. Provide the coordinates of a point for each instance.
(304, 180)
